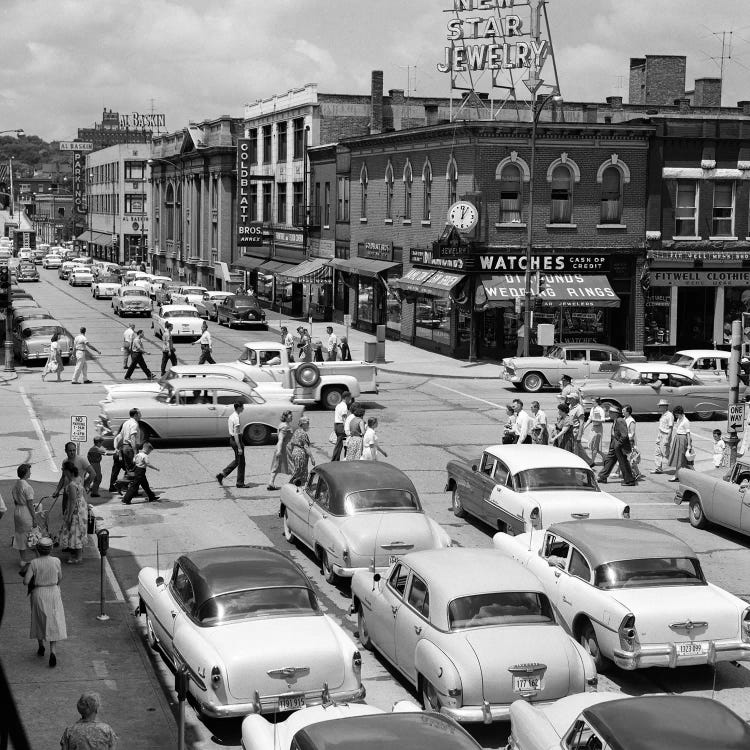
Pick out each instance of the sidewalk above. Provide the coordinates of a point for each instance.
(107, 657)
(400, 358)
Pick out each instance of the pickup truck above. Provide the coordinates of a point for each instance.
(312, 382)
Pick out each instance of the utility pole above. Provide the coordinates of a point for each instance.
(734, 392)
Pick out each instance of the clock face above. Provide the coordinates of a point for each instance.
(463, 215)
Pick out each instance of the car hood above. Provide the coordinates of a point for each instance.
(526, 362)
(561, 505)
(385, 534)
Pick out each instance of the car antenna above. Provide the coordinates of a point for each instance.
(375, 547)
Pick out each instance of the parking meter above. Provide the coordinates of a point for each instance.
(102, 541)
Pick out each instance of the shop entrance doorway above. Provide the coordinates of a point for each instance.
(695, 317)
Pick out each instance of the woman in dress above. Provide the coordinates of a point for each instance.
(73, 530)
(346, 354)
(682, 441)
(509, 432)
(54, 360)
(356, 433)
(47, 613)
(370, 446)
(24, 515)
(88, 732)
(564, 429)
(300, 452)
(280, 460)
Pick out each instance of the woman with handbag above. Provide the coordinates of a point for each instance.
(27, 533)
(681, 453)
(280, 459)
(54, 360)
(75, 520)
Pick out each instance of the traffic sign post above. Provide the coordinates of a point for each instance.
(736, 409)
(79, 429)
(736, 417)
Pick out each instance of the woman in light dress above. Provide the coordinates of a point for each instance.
(682, 441)
(24, 514)
(73, 531)
(54, 360)
(300, 453)
(356, 433)
(280, 460)
(370, 446)
(47, 613)
(563, 437)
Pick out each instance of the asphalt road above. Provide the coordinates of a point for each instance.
(424, 422)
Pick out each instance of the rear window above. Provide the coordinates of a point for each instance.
(648, 572)
(270, 602)
(499, 608)
(180, 314)
(381, 499)
(39, 331)
(245, 302)
(134, 292)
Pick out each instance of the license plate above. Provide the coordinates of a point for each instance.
(392, 559)
(524, 684)
(692, 648)
(185, 327)
(291, 702)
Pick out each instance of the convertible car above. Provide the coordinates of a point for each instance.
(246, 623)
(472, 631)
(517, 488)
(184, 319)
(185, 409)
(618, 722)
(633, 594)
(713, 499)
(356, 515)
(643, 385)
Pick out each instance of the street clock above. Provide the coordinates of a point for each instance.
(463, 215)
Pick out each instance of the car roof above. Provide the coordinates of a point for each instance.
(41, 322)
(655, 721)
(598, 347)
(217, 370)
(696, 353)
(32, 312)
(606, 540)
(172, 308)
(221, 570)
(660, 367)
(414, 730)
(521, 457)
(189, 384)
(345, 477)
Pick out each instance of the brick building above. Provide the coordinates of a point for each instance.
(109, 132)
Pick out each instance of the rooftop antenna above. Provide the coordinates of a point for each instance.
(722, 61)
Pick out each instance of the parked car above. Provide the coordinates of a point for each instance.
(80, 275)
(357, 515)
(52, 260)
(32, 339)
(29, 313)
(105, 287)
(156, 283)
(580, 361)
(184, 319)
(619, 722)
(38, 253)
(716, 500)
(24, 254)
(708, 364)
(633, 594)
(241, 311)
(186, 410)
(65, 268)
(163, 294)
(518, 488)
(130, 300)
(207, 306)
(188, 295)
(643, 385)
(19, 302)
(27, 271)
(471, 630)
(215, 610)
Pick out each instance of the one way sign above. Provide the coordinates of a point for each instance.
(736, 417)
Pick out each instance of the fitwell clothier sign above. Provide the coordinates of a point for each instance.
(489, 35)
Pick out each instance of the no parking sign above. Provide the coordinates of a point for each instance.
(79, 429)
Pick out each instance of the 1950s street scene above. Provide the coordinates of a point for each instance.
(375, 374)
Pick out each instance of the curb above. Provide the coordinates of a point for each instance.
(435, 374)
(7, 376)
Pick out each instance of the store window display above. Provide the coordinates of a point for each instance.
(366, 301)
(392, 304)
(432, 319)
(658, 303)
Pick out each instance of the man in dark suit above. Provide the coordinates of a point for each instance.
(619, 448)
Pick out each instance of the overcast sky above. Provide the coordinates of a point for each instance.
(66, 60)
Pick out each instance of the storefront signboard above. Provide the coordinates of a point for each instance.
(717, 256)
(425, 258)
(500, 261)
(700, 278)
(249, 232)
(322, 248)
(288, 238)
(377, 250)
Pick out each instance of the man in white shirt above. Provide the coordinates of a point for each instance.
(333, 344)
(205, 342)
(131, 435)
(288, 342)
(578, 417)
(567, 389)
(235, 440)
(539, 428)
(81, 346)
(167, 348)
(663, 437)
(340, 413)
(596, 420)
(127, 343)
(139, 480)
(523, 423)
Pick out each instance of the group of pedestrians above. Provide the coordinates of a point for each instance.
(311, 350)
(353, 436)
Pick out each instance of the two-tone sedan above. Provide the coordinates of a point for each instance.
(27, 271)
(246, 623)
(184, 319)
(472, 630)
(358, 515)
(52, 260)
(32, 340)
(105, 287)
(188, 410)
(188, 295)
(517, 488)
(207, 306)
(81, 275)
(130, 300)
(241, 311)
(21, 315)
(633, 594)
(64, 269)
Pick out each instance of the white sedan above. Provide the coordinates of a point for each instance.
(52, 260)
(246, 623)
(633, 594)
(80, 276)
(517, 488)
(188, 295)
(184, 319)
(105, 287)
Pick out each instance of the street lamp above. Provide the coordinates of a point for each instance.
(537, 106)
(181, 167)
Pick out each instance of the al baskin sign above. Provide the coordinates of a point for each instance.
(249, 233)
(700, 278)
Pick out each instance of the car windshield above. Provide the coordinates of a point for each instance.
(556, 352)
(499, 608)
(134, 292)
(180, 314)
(681, 360)
(194, 290)
(648, 572)
(271, 602)
(626, 375)
(109, 280)
(367, 501)
(39, 331)
(556, 478)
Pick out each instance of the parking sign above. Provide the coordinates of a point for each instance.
(79, 429)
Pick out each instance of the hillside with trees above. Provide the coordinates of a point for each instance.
(30, 152)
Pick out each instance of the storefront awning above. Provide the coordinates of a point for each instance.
(230, 277)
(429, 281)
(559, 289)
(96, 238)
(362, 266)
(313, 271)
(275, 266)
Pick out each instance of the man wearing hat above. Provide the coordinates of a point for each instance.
(663, 437)
(568, 389)
(619, 448)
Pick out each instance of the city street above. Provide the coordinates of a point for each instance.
(424, 422)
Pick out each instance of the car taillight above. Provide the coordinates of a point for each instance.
(347, 557)
(626, 512)
(536, 519)
(745, 627)
(357, 663)
(215, 675)
(626, 632)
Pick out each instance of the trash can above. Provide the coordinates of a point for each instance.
(370, 351)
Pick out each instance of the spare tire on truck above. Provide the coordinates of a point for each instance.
(307, 375)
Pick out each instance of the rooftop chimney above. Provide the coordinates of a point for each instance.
(376, 102)
(707, 92)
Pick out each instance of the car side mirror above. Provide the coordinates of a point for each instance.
(298, 482)
(159, 581)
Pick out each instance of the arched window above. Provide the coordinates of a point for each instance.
(169, 206)
(426, 190)
(561, 195)
(451, 175)
(389, 192)
(611, 196)
(408, 179)
(363, 193)
(511, 194)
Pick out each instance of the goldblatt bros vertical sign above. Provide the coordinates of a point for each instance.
(249, 232)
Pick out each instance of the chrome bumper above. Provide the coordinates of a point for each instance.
(665, 655)
(484, 714)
